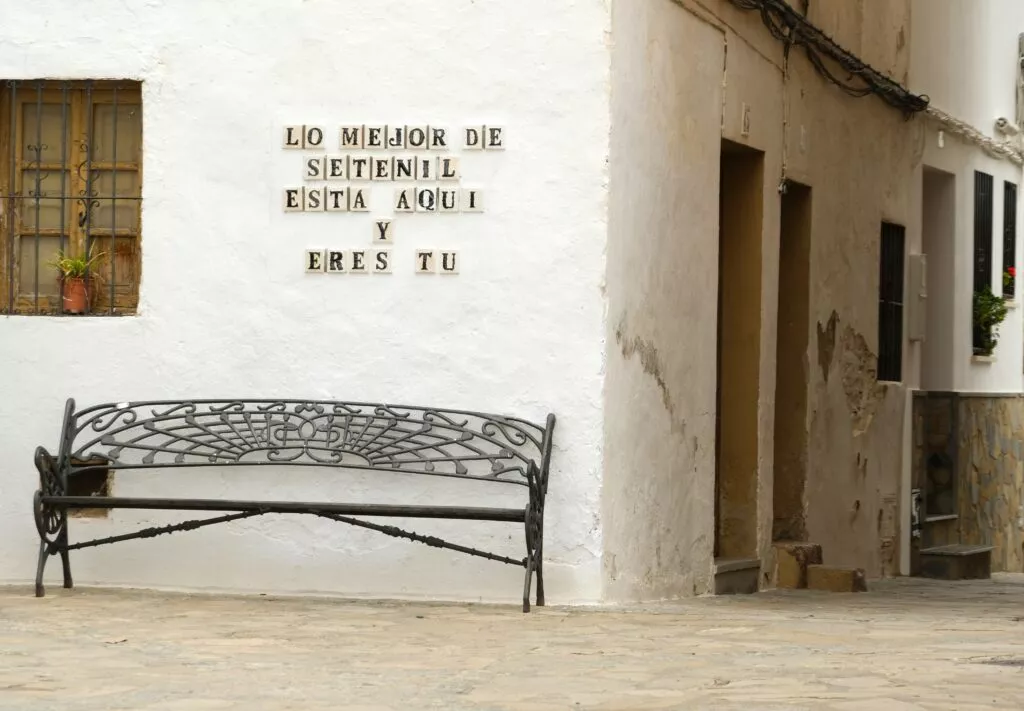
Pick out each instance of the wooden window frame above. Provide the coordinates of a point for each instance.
(80, 173)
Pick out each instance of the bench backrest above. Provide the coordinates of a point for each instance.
(416, 440)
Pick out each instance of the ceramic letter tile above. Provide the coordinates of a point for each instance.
(314, 168)
(448, 168)
(438, 138)
(336, 199)
(336, 167)
(381, 261)
(473, 138)
(426, 200)
(351, 138)
(313, 138)
(494, 138)
(293, 136)
(381, 168)
(357, 262)
(314, 260)
(294, 200)
(358, 200)
(335, 259)
(376, 138)
(359, 167)
(418, 137)
(425, 168)
(403, 168)
(315, 199)
(396, 138)
(449, 263)
(425, 262)
(472, 200)
(383, 232)
(448, 200)
(405, 200)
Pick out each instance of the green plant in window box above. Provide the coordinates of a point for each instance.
(989, 311)
(75, 273)
(1009, 281)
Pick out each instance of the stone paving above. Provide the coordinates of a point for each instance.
(909, 644)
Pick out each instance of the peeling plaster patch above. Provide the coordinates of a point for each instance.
(827, 344)
(858, 369)
(650, 361)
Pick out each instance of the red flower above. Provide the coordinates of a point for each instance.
(1012, 271)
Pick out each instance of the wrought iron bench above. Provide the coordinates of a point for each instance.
(281, 433)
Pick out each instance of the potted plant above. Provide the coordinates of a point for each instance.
(989, 311)
(74, 274)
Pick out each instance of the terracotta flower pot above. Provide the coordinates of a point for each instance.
(76, 296)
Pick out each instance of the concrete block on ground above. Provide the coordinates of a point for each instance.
(791, 561)
(831, 579)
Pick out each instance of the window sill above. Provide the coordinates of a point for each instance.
(983, 359)
(1011, 302)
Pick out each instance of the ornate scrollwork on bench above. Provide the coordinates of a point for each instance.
(282, 433)
(50, 520)
(357, 436)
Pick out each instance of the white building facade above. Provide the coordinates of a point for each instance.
(968, 58)
(225, 304)
(672, 243)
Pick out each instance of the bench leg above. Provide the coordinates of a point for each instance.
(65, 559)
(540, 577)
(44, 553)
(533, 537)
(527, 582)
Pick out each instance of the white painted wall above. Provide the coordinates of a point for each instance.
(964, 58)
(963, 54)
(226, 310)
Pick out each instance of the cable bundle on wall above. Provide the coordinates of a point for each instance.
(789, 26)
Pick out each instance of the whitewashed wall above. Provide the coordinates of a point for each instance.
(227, 311)
(964, 57)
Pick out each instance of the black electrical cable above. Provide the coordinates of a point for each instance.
(787, 25)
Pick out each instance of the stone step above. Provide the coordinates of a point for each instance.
(791, 561)
(736, 576)
(831, 579)
(957, 562)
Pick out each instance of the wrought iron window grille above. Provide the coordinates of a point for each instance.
(70, 183)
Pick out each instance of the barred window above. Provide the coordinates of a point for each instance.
(70, 185)
(890, 303)
(983, 207)
(1009, 239)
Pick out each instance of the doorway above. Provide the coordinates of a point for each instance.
(938, 226)
(741, 198)
(791, 364)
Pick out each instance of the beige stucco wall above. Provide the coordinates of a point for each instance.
(670, 62)
(657, 497)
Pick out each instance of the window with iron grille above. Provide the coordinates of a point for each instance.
(982, 231)
(70, 184)
(890, 303)
(983, 209)
(1009, 239)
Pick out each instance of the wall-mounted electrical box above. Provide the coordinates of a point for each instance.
(917, 296)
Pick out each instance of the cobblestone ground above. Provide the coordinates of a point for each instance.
(908, 644)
